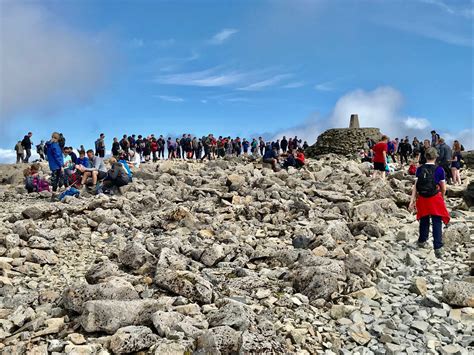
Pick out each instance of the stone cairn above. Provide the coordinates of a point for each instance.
(343, 141)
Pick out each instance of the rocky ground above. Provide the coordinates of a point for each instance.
(227, 257)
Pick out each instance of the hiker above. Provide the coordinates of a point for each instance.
(289, 161)
(271, 157)
(97, 170)
(147, 148)
(125, 144)
(20, 151)
(245, 146)
(117, 176)
(380, 157)
(127, 165)
(33, 181)
(68, 166)
(55, 160)
(161, 147)
(404, 150)
(421, 159)
(40, 150)
(261, 145)
(434, 138)
(171, 148)
(61, 141)
(305, 145)
(207, 145)
(391, 150)
(100, 146)
(154, 149)
(444, 158)
(300, 159)
(26, 143)
(115, 147)
(83, 160)
(284, 144)
(428, 199)
(456, 163)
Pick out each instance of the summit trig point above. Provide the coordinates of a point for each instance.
(354, 122)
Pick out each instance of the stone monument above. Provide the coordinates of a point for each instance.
(354, 123)
(343, 141)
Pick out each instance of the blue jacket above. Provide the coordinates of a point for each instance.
(55, 156)
(125, 165)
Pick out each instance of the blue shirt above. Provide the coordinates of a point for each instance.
(125, 165)
(439, 174)
(83, 161)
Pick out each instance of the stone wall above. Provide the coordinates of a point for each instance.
(342, 141)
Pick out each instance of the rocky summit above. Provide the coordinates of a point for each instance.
(228, 257)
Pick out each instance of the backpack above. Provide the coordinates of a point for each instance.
(412, 169)
(426, 185)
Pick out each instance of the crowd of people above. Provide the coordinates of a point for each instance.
(73, 171)
(434, 164)
(387, 152)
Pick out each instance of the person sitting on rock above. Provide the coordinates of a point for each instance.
(380, 157)
(300, 158)
(33, 181)
(126, 165)
(290, 160)
(83, 160)
(428, 199)
(117, 176)
(271, 157)
(97, 171)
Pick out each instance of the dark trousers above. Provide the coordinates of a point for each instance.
(161, 153)
(207, 153)
(154, 156)
(437, 230)
(28, 155)
(56, 179)
(261, 150)
(404, 157)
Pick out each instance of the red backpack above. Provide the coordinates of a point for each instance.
(412, 169)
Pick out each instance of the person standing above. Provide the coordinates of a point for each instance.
(284, 144)
(261, 145)
(428, 199)
(434, 138)
(20, 152)
(100, 146)
(40, 150)
(456, 163)
(444, 157)
(26, 143)
(421, 159)
(161, 147)
(404, 151)
(55, 160)
(115, 147)
(380, 157)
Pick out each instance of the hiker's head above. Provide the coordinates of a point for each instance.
(30, 134)
(82, 153)
(55, 137)
(112, 160)
(441, 140)
(34, 168)
(384, 138)
(431, 154)
(102, 135)
(90, 154)
(426, 143)
(457, 146)
(433, 133)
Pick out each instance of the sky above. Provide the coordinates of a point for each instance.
(241, 68)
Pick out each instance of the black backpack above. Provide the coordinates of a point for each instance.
(426, 185)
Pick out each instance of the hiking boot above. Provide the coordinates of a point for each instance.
(439, 253)
(422, 245)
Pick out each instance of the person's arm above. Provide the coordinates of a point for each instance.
(385, 156)
(412, 204)
(442, 187)
(57, 156)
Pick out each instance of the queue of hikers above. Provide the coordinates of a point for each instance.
(74, 171)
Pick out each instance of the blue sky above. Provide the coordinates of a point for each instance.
(234, 67)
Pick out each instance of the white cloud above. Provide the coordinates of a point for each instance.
(416, 123)
(265, 83)
(380, 108)
(293, 85)
(454, 8)
(216, 77)
(223, 36)
(326, 86)
(45, 64)
(170, 98)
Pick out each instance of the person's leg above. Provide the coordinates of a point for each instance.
(458, 174)
(85, 176)
(437, 232)
(94, 177)
(424, 230)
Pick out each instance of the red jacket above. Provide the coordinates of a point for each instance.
(154, 146)
(300, 157)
